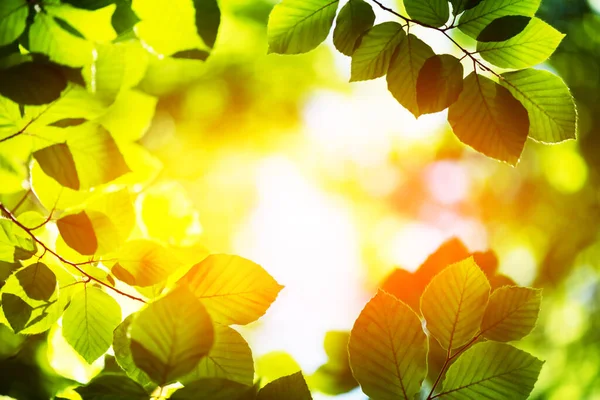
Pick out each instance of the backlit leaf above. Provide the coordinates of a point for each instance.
(372, 57)
(32, 83)
(208, 19)
(57, 162)
(291, 387)
(548, 101)
(511, 313)
(170, 336)
(353, 20)
(530, 47)
(233, 290)
(439, 83)
(298, 26)
(488, 118)
(213, 389)
(89, 322)
(503, 28)
(491, 370)
(13, 18)
(78, 232)
(112, 387)
(388, 349)
(16, 311)
(38, 281)
(122, 348)
(404, 71)
(458, 6)
(431, 12)
(15, 243)
(474, 20)
(454, 303)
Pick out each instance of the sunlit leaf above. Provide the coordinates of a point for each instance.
(474, 20)
(548, 101)
(38, 281)
(233, 290)
(274, 365)
(129, 117)
(57, 162)
(489, 119)
(291, 387)
(89, 322)
(354, 19)
(491, 370)
(112, 387)
(372, 57)
(78, 232)
(122, 348)
(531, 47)
(230, 358)
(404, 71)
(213, 389)
(15, 243)
(439, 83)
(431, 12)
(93, 25)
(13, 18)
(170, 336)
(503, 28)
(298, 26)
(454, 303)
(458, 6)
(89, 4)
(511, 313)
(388, 349)
(16, 311)
(32, 83)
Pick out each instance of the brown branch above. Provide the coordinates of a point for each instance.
(12, 218)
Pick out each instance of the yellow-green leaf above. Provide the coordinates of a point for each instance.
(431, 12)
(372, 57)
(78, 232)
(38, 281)
(291, 387)
(439, 83)
(13, 18)
(474, 20)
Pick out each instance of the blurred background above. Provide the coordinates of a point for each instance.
(330, 185)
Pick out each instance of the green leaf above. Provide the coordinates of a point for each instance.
(212, 389)
(372, 57)
(230, 358)
(57, 162)
(454, 303)
(144, 263)
(533, 46)
(430, 12)
(511, 313)
(90, 4)
(233, 290)
(458, 6)
(78, 232)
(112, 387)
(388, 349)
(32, 83)
(170, 336)
(291, 387)
(354, 19)
(439, 83)
(298, 26)
(38, 281)
(494, 371)
(488, 118)
(548, 101)
(13, 19)
(404, 71)
(208, 19)
(334, 377)
(122, 348)
(16, 310)
(503, 28)
(89, 322)
(15, 243)
(474, 20)
(124, 18)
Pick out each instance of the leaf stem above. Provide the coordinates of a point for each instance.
(89, 277)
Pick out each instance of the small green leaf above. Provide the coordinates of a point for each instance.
(112, 387)
(89, 322)
(15, 243)
(533, 46)
(16, 310)
(503, 28)
(388, 349)
(488, 118)
(208, 19)
(354, 19)
(291, 387)
(213, 389)
(454, 303)
(230, 358)
(13, 19)
(144, 263)
(494, 371)
(458, 6)
(475, 19)
(299, 26)
(372, 57)
(38, 281)
(548, 101)
(78, 232)
(233, 290)
(32, 83)
(439, 83)
(511, 313)
(170, 336)
(404, 71)
(57, 162)
(430, 12)
(334, 377)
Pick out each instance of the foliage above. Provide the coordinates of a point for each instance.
(494, 116)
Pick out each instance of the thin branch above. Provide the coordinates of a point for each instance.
(20, 203)
(62, 259)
